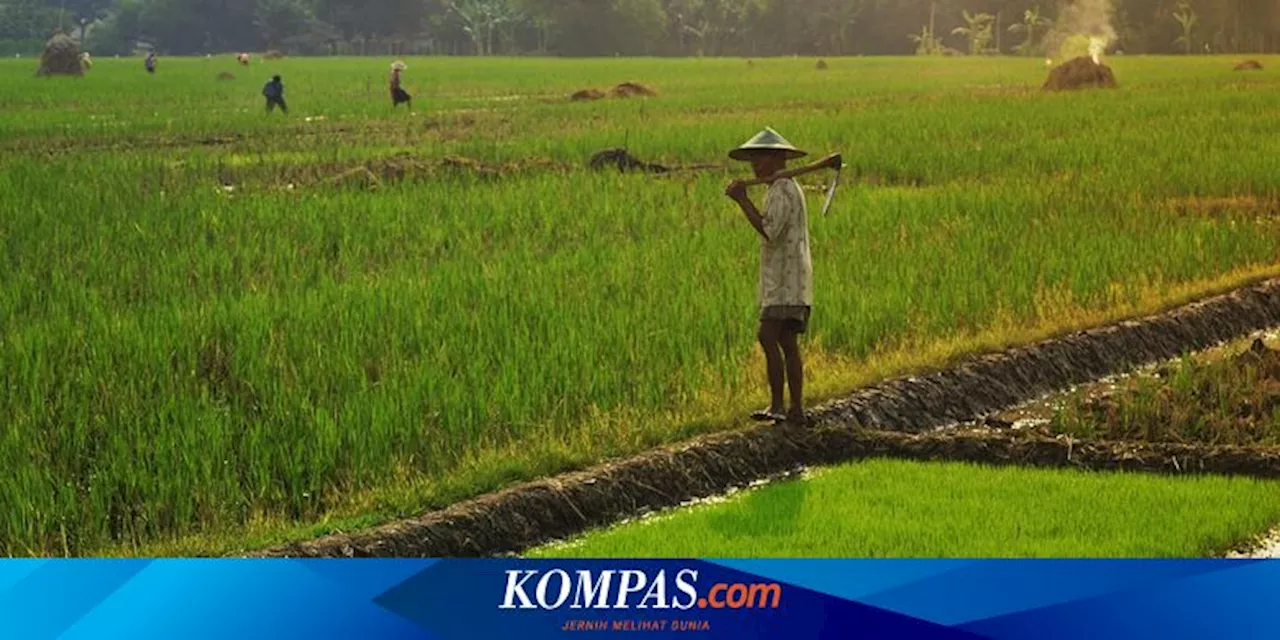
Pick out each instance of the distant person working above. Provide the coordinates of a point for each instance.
(398, 94)
(273, 91)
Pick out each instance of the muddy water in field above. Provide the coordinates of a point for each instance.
(1267, 547)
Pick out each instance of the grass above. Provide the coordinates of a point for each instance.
(185, 370)
(1232, 400)
(904, 509)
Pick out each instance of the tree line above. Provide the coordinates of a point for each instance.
(632, 27)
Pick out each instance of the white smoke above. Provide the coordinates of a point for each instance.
(1096, 47)
(1082, 28)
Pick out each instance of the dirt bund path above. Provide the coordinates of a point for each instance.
(897, 419)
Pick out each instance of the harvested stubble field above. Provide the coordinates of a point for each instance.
(207, 346)
(1231, 399)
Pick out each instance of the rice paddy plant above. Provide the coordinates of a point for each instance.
(199, 333)
(1229, 401)
(887, 508)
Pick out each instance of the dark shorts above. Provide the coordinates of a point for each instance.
(795, 319)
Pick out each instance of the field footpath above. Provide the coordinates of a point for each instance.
(898, 418)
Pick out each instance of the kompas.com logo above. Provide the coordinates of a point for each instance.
(585, 589)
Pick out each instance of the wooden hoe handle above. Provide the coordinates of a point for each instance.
(833, 161)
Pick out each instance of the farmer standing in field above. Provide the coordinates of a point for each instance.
(398, 94)
(786, 271)
(150, 62)
(273, 91)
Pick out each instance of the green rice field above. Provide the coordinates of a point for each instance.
(887, 508)
(206, 346)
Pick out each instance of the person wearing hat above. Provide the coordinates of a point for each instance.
(786, 271)
(398, 94)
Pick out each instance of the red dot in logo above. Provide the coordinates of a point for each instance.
(702, 603)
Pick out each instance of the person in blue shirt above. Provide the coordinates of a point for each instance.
(274, 93)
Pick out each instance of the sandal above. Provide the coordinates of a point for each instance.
(803, 421)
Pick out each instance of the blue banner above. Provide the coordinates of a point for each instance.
(745, 599)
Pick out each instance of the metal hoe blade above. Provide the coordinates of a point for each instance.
(831, 193)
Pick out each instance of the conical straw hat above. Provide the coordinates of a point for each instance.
(767, 140)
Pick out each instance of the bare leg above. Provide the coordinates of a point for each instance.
(768, 336)
(795, 373)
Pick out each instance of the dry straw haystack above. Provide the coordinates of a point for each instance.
(822, 65)
(624, 90)
(1080, 73)
(1249, 65)
(622, 160)
(633, 89)
(61, 57)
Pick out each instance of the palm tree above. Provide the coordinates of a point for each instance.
(483, 19)
(926, 44)
(1031, 22)
(1186, 16)
(977, 30)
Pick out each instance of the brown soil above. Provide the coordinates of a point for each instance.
(226, 76)
(1080, 73)
(622, 160)
(1260, 355)
(587, 94)
(1227, 205)
(1039, 451)
(1249, 65)
(361, 177)
(377, 172)
(213, 141)
(61, 57)
(896, 412)
(273, 55)
(633, 90)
